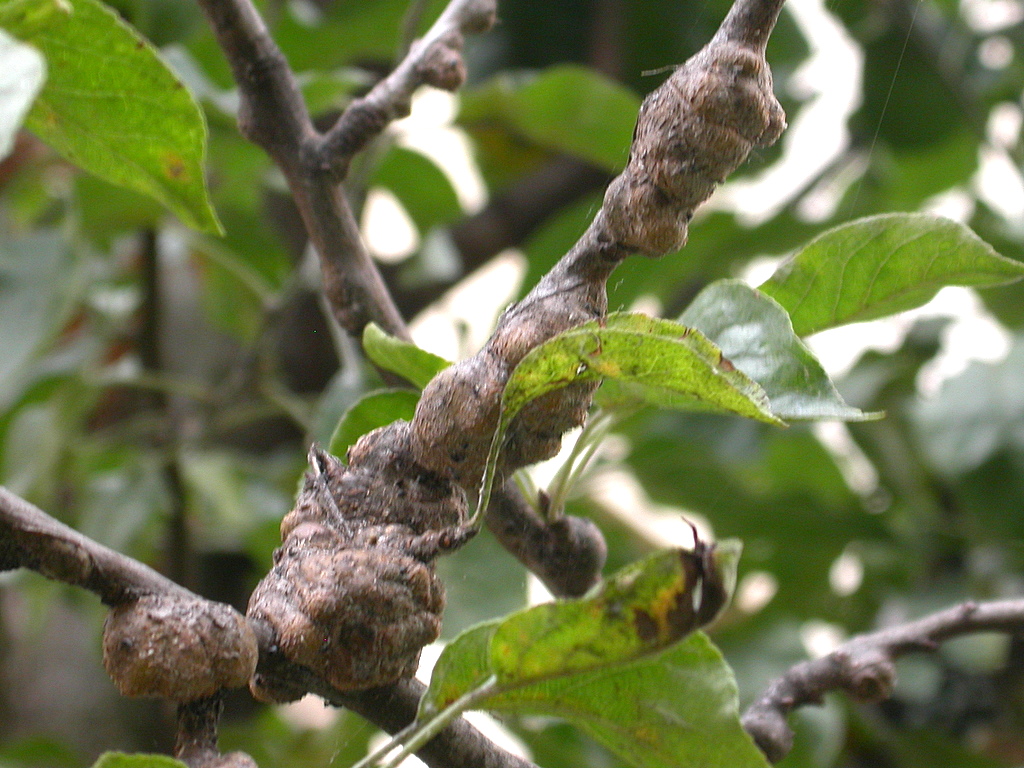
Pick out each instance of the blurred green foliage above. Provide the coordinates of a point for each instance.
(157, 385)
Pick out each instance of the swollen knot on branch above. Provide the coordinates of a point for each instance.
(442, 65)
(869, 677)
(353, 594)
(692, 132)
(177, 647)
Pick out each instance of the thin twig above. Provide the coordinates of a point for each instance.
(435, 59)
(864, 666)
(196, 742)
(274, 116)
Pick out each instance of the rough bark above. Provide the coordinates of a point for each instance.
(376, 525)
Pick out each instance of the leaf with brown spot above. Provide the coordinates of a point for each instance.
(622, 664)
(111, 106)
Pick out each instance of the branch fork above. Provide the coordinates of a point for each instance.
(402, 494)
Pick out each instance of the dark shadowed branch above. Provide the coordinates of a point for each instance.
(864, 667)
(567, 555)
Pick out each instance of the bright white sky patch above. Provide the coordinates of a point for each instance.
(820, 638)
(755, 591)
(991, 15)
(390, 234)
(973, 334)
(846, 574)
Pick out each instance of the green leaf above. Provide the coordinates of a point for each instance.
(756, 335)
(111, 106)
(566, 108)
(882, 265)
(106, 210)
(326, 91)
(402, 357)
(121, 492)
(25, 17)
(122, 760)
(22, 72)
(464, 664)
(33, 442)
(677, 708)
(612, 664)
(36, 749)
(218, 509)
(645, 607)
(373, 410)
(643, 361)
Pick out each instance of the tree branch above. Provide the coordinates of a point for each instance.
(864, 667)
(274, 117)
(749, 23)
(436, 60)
(566, 555)
(272, 114)
(390, 707)
(196, 743)
(358, 547)
(29, 538)
(691, 133)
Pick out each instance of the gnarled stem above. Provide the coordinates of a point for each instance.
(864, 668)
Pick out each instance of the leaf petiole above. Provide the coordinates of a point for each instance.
(422, 733)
